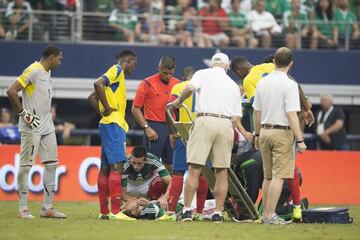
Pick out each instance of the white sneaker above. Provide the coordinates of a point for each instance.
(51, 213)
(276, 220)
(25, 214)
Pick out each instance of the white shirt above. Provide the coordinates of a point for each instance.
(216, 92)
(263, 20)
(276, 94)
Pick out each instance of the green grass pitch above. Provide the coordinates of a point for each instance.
(81, 223)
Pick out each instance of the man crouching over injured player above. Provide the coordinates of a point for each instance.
(145, 179)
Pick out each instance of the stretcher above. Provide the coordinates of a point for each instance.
(237, 203)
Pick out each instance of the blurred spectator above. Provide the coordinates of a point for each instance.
(239, 30)
(139, 6)
(186, 24)
(151, 29)
(17, 16)
(330, 125)
(246, 6)
(123, 21)
(277, 7)
(347, 24)
(62, 128)
(355, 7)
(309, 6)
(5, 118)
(213, 29)
(104, 6)
(325, 32)
(263, 24)
(295, 25)
(9, 133)
(96, 27)
(2, 29)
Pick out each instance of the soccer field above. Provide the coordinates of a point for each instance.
(81, 223)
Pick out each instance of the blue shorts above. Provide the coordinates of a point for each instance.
(113, 144)
(161, 147)
(179, 157)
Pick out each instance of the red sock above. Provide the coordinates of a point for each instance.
(201, 194)
(157, 187)
(102, 183)
(294, 187)
(115, 191)
(175, 192)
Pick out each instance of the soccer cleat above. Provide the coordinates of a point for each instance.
(121, 216)
(186, 216)
(51, 213)
(25, 214)
(217, 218)
(103, 216)
(297, 214)
(276, 220)
(166, 217)
(198, 217)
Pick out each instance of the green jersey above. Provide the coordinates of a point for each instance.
(294, 23)
(126, 19)
(277, 7)
(344, 20)
(152, 166)
(153, 211)
(237, 20)
(324, 26)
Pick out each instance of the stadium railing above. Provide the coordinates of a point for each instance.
(82, 27)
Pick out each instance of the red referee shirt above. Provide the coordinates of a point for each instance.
(153, 94)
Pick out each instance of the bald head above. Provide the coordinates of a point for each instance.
(326, 101)
(283, 57)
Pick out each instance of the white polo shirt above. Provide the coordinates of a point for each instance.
(216, 92)
(276, 94)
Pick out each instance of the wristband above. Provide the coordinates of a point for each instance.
(146, 126)
(300, 141)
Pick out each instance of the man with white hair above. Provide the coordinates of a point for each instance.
(218, 107)
(330, 125)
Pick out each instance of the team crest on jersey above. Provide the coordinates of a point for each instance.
(139, 177)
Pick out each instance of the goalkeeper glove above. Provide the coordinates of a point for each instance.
(31, 119)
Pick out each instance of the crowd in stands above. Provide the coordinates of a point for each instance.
(204, 23)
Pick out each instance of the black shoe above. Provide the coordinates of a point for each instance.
(186, 216)
(216, 218)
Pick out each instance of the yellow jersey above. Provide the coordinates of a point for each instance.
(115, 92)
(256, 73)
(189, 102)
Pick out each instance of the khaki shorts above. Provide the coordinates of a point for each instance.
(31, 144)
(210, 138)
(277, 152)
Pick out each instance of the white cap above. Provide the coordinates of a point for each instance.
(220, 58)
